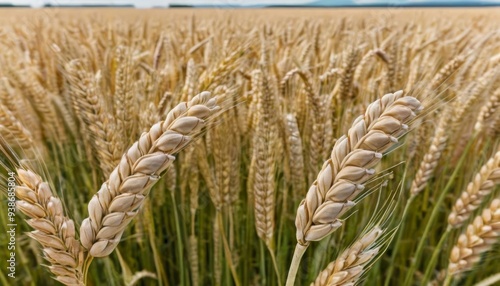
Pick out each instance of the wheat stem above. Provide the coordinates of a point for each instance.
(180, 244)
(275, 264)
(86, 266)
(491, 280)
(294, 267)
(447, 281)
(227, 250)
(398, 240)
(437, 250)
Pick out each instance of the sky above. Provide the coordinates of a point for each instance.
(151, 3)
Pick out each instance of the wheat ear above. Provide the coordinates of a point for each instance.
(349, 167)
(261, 176)
(348, 68)
(446, 72)
(53, 230)
(348, 268)
(431, 158)
(264, 144)
(14, 131)
(479, 238)
(118, 200)
(488, 111)
(480, 187)
(296, 161)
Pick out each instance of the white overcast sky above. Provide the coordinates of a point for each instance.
(153, 2)
(149, 3)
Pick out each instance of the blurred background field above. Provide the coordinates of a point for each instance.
(166, 15)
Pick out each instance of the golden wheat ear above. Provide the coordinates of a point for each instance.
(119, 199)
(479, 238)
(350, 265)
(350, 166)
(477, 191)
(52, 228)
(486, 116)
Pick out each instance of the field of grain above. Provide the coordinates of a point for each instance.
(250, 147)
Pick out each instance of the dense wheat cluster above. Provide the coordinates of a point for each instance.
(252, 147)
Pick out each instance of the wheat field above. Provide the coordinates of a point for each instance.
(250, 147)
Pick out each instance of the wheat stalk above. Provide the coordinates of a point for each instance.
(118, 200)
